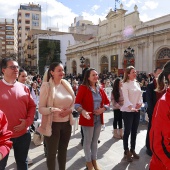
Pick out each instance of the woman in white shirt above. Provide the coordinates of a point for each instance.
(132, 95)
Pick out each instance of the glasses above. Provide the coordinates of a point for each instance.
(13, 67)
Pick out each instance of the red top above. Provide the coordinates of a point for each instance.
(160, 134)
(85, 98)
(5, 135)
(17, 103)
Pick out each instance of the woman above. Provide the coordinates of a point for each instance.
(132, 95)
(34, 90)
(117, 102)
(91, 102)
(22, 76)
(56, 103)
(160, 131)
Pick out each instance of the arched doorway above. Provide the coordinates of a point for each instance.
(104, 64)
(162, 57)
(74, 67)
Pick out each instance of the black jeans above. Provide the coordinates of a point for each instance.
(57, 144)
(21, 146)
(131, 123)
(117, 119)
(148, 131)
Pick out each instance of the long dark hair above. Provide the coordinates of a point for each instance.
(86, 81)
(163, 77)
(115, 90)
(52, 68)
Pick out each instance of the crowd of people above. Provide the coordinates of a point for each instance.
(56, 96)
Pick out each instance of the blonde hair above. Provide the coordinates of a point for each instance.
(127, 71)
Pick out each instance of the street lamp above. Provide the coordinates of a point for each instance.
(82, 60)
(129, 57)
(129, 52)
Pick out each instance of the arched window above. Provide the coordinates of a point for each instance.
(164, 54)
(104, 60)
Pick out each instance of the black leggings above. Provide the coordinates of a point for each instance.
(117, 119)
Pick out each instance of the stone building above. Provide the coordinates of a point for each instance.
(122, 40)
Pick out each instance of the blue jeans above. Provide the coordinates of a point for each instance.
(131, 123)
(21, 146)
(91, 136)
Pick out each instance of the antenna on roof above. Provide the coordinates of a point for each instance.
(115, 4)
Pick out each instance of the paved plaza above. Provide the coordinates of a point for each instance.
(110, 152)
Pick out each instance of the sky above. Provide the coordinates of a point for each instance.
(61, 13)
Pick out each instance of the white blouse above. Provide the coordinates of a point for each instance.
(132, 95)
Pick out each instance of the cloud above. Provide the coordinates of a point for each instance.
(53, 13)
(95, 7)
(144, 17)
(150, 5)
(94, 18)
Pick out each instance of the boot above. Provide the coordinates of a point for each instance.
(115, 134)
(121, 133)
(128, 156)
(136, 156)
(89, 166)
(96, 166)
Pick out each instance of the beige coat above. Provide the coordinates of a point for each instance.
(47, 93)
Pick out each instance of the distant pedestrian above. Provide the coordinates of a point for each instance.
(117, 102)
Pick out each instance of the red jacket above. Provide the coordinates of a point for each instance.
(160, 134)
(85, 98)
(5, 135)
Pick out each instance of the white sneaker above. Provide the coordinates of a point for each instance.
(29, 160)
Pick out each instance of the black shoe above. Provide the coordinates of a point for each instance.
(149, 152)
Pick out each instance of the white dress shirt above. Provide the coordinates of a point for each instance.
(132, 95)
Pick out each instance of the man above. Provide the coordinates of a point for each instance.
(19, 108)
(152, 97)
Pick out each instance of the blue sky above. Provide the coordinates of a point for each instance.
(61, 13)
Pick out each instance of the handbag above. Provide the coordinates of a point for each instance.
(37, 138)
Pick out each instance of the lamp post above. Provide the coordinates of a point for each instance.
(129, 57)
(82, 60)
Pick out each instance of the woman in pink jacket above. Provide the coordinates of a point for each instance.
(160, 130)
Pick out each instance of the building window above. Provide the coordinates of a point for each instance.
(27, 29)
(10, 33)
(9, 28)
(27, 15)
(9, 37)
(164, 54)
(35, 16)
(35, 23)
(27, 22)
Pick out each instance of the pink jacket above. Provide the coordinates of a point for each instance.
(46, 99)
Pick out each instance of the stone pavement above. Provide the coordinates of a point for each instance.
(110, 152)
